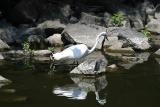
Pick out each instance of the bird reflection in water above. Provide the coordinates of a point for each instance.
(82, 86)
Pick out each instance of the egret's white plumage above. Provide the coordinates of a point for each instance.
(77, 51)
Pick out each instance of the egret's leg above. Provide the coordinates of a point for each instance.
(52, 69)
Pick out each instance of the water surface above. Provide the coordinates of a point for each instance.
(35, 85)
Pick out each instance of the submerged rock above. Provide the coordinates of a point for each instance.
(91, 66)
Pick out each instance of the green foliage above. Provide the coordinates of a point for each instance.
(51, 49)
(117, 19)
(26, 48)
(146, 32)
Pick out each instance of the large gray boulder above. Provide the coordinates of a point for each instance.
(51, 26)
(134, 39)
(81, 33)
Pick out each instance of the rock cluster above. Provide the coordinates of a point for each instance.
(131, 26)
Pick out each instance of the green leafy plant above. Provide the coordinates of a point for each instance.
(26, 48)
(51, 49)
(117, 19)
(146, 32)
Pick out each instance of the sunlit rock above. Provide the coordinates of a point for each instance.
(112, 68)
(133, 38)
(55, 39)
(91, 66)
(82, 33)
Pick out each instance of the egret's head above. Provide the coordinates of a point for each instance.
(103, 34)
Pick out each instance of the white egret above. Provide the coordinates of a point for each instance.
(77, 51)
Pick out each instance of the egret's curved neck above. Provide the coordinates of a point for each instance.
(97, 40)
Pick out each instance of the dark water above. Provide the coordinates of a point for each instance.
(34, 85)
